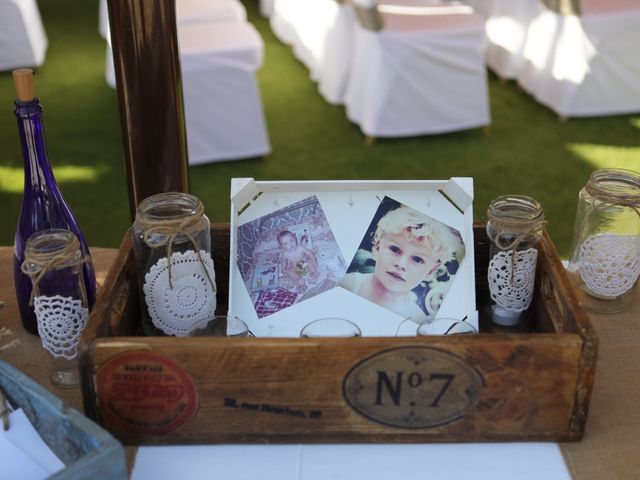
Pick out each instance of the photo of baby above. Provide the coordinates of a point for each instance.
(288, 256)
(406, 262)
(296, 262)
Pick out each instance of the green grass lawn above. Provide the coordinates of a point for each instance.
(528, 151)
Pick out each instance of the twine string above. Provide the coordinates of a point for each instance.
(37, 264)
(170, 229)
(606, 200)
(521, 229)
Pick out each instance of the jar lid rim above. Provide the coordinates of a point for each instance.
(194, 206)
(616, 185)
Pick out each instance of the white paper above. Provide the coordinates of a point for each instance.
(480, 461)
(23, 451)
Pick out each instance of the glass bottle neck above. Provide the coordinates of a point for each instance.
(38, 172)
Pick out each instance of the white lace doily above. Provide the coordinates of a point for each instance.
(176, 310)
(61, 321)
(513, 295)
(609, 263)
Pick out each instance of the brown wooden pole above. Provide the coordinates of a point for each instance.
(145, 52)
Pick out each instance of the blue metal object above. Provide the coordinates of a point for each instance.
(88, 451)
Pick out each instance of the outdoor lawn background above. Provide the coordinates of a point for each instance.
(528, 150)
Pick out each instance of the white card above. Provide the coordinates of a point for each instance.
(23, 450)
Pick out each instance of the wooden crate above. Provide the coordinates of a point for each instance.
(495, 386)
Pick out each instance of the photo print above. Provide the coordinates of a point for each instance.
(406, 261)
(288, 256)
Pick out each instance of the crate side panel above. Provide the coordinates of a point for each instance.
(293, 390)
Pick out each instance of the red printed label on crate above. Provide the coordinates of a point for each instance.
(413, 387)
(145, 393)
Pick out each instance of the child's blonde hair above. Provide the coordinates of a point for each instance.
(420, 230)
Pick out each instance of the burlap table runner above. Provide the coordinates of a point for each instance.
(608, 451)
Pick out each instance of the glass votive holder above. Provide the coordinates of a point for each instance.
(605, 252)
(446, 326)
(220, 326)
(54, 263)
(176, 276)
(515, 226)
(330, 327)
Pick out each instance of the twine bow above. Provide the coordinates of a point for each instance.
(171, 228)
(520, 228)
(37, 264)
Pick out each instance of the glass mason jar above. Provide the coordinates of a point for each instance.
(605, 252)
(54, 262)
(515, 225)
(176, 279)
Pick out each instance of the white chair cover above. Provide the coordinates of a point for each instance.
(421, 74)
(188, 11)
(103, 19)
(266, 8)
(320, 33)
(506, 27)
(587, 65)
(481, 7)
(222, 103)
(286, 14)
(333, 66)
(23, 42)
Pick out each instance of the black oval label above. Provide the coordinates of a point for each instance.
(413, 387)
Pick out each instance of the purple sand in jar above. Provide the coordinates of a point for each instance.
(43, 206)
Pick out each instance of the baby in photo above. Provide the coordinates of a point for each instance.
(288, 256)
(404, 255)
(296, 262)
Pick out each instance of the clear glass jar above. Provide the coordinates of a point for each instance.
(605, 252)
(515, 225)
(176, 278)
(54, 262)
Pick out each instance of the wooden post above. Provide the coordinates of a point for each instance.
(147, 66)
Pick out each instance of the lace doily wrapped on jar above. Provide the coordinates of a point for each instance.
(61, 321)
(609, 264)
(512, 278)
(176, 306)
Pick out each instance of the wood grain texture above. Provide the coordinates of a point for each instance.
(535, 385)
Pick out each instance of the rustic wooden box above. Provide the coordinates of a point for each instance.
(494, 386)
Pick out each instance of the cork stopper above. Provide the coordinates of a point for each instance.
(23, 79)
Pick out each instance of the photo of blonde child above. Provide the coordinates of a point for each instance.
(404, 255)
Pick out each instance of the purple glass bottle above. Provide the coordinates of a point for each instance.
(43, 206)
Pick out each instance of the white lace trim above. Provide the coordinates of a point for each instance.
(61, 321)
(176, 310)
(609, 264)
(515, 295)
